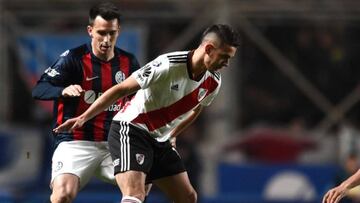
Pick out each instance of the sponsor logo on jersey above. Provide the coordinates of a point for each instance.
(90, 96)
(116, 162)
(175, 87)
(140, 158)
(119, 76)
(146, 71)
(58, 166)
(202, 94)
(51, 72)
(65, 53)
(114, 107)
(91, 78)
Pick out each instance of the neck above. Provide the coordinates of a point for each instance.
(104, 57)
(197, 64)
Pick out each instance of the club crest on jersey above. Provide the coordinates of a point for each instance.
(202, 94)
(58, 166)
(140, 158)
(119, 76)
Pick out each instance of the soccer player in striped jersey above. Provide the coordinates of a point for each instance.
(74, 82)
(171, 92)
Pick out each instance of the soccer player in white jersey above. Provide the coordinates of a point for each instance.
(171, 92)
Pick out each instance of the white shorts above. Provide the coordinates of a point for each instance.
(84, 159)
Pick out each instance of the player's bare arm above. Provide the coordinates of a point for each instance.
(336, 194)
(110, 96)
(72, 91)
(182, 126)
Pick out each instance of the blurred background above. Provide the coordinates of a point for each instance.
(285, 127)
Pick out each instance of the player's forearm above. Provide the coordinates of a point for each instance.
(183, 125)
(104, 101)
(46, 91)
(352, 181)
(109, 97)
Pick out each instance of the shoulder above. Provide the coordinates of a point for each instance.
(172, 59)
(76, 52)
(177, 57)
(121, 52)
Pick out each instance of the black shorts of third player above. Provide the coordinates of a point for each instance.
(132, 148)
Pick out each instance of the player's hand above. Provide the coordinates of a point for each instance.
(334, 195)
(173, 141)
(72, 91)
(69, 125)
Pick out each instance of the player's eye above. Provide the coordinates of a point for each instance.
(102, 33)
(112, 33)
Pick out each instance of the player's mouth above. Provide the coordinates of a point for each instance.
(105, 47)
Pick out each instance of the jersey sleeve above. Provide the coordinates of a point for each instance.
(152, 72)
(55, 78)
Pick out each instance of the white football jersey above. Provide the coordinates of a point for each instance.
(168, 94)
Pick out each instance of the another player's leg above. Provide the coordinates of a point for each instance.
(64, 188)
(178, 188)
(73, 164)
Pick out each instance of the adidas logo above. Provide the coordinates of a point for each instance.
(175, 87)
(116, 162)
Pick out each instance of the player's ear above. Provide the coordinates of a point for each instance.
(119, 29)
(89, 30)
(208, 48)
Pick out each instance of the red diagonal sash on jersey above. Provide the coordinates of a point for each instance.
(158, 118)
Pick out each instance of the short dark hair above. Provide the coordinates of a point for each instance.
(226, 34)
(106, 10)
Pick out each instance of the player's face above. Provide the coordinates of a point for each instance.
(219, 57)
(103, 35)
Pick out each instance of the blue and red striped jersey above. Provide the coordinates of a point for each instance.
(80, 66)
